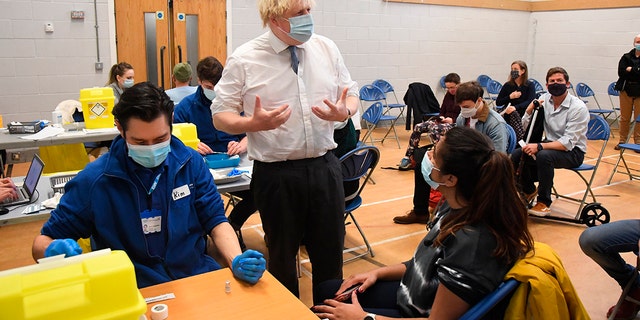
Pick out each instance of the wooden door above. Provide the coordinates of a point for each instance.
(211, 19)
(152, 35)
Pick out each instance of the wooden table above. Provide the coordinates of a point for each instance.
(204, 297)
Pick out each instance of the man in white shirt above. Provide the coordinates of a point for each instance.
(565, 128)
(292, 85)
(181, 77)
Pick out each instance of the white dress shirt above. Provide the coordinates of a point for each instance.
(567, 124)
(262, 67)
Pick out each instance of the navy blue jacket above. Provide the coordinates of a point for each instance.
(196, 109)
(102, 203)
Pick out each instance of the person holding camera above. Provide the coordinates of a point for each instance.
(566, 118)
(629, 86)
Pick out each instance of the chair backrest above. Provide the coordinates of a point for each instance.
(583, 90)
(598, 128)
(537, 86)
(494, 87)
(383, 85)
(442, 84)
(611, 90)
(480, 309)
(371, 93)
(359, 162)
(511, 141)
(373, 113)
(484, 79)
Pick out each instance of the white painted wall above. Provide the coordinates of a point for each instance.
(400, 42)
(38, 69)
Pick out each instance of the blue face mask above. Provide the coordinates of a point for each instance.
(128, 83)
(210, 94)
(301, 27)
(426, 168)
(149, 156)
(637, 46)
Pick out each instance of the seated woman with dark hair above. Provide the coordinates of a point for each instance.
(465, 255)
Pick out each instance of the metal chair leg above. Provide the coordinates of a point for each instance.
(625, 292)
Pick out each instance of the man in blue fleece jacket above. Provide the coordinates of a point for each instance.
(150, 196)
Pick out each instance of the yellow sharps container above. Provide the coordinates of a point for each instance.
(97, 104)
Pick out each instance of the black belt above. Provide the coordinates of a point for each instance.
(294, 163)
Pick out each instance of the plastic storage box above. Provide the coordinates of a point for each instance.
(97, 104)
(221, 160)
(187, 133)
(96, 285)
(25, 127)
(58, 181)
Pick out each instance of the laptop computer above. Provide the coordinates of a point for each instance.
(28, 188)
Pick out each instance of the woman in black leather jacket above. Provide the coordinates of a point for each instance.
(465, 255)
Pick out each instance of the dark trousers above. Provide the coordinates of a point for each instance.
(301, 199)
(243, 209)
(542, 169)
(421, 189)
(379, 298)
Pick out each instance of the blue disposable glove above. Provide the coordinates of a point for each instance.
(249, 266)
(68, 247)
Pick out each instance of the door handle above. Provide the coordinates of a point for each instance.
(162, 49)
(179, 53)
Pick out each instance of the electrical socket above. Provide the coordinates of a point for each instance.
(98, 66)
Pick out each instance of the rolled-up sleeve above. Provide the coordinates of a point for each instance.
(229, 89)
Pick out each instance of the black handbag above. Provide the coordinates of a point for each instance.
(632, 89)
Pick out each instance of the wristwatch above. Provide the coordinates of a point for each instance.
(370, 316)
(540, 147)
(348, 115)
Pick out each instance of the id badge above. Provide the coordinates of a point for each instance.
(151, 221)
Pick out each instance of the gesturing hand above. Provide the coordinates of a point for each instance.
(264, 120)
(249, 266)
(336, 112)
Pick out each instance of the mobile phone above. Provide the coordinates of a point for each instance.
(347, 293)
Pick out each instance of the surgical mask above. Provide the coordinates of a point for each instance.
(128, 83)
(301, 27)
(637, 46)
(149, 156)
(468, 112)
(515, 74)
(557, 89)
(427, 167)
(210, 94)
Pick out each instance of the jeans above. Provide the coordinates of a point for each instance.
(604, 243)
(542, 169)
(421, 189)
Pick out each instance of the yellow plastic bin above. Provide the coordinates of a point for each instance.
(187, 133)
(97, 104)
(96, 285)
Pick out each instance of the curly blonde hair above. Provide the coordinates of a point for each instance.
(276, 8)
